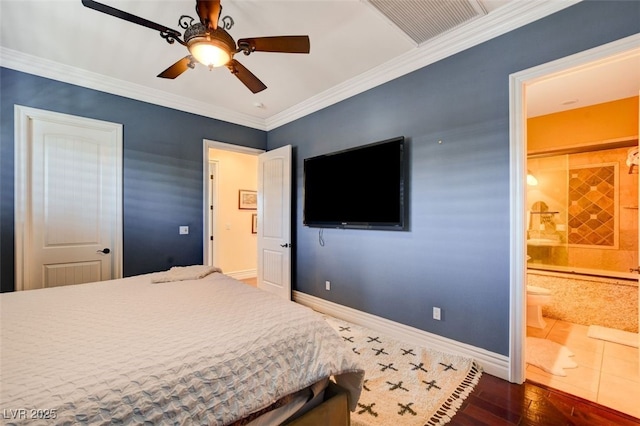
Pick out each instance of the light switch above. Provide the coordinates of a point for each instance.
(184, 230)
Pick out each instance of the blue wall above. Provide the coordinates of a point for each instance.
(162, 168)
(456, 252)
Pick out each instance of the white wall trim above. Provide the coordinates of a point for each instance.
(230, 147)
(212, 189)
(518, 83)
(501, 21)
(517, 244)
(492, 363)
(505, 19)
(61, 72)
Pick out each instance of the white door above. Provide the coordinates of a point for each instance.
(68, 193)
(274, 221)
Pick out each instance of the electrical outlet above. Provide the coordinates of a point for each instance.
(436, 313)
(327, 285)
(183, 230)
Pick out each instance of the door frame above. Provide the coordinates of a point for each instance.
(212, 214)
(518, 83)
(206, 191)
(22, 117)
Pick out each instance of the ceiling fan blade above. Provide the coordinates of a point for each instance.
(284, 44)
(209, 12)
(91, 4)
(245, 76)
(178, 68)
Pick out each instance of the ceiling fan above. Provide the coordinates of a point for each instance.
(209, 43)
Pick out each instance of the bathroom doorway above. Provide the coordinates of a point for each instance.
(582, 225)
(523, 86)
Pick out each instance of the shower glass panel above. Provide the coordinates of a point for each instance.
(547, 200)
(582, 215)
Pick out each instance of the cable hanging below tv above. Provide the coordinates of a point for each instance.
(357, 188)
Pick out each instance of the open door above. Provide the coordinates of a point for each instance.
(274, 221)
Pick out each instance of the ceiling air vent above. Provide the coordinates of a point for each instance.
(422, 20)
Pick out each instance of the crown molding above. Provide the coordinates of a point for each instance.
(507, 18)
(79, 77)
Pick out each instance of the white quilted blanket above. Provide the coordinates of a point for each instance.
(184, 273)
(208, 351)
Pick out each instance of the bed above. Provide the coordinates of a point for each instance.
(208, 350)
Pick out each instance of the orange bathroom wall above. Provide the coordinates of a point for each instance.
(615, 120)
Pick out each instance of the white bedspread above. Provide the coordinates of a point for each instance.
(208, 351)
(184, 273)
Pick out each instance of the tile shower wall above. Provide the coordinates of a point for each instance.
(592, 206)
(593, 200)
(621, 254)
(611, 302)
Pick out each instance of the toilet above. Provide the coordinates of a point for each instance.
(537, 297)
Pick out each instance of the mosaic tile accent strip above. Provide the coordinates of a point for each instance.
(592, 207)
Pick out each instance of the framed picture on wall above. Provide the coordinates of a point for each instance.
(247, 200)
(254, 223)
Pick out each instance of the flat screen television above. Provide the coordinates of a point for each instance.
(358, 188)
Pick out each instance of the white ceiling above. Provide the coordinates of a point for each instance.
(594, 83)
(353, 48)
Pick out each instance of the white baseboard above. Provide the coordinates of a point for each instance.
(492, 363)
(241, 275)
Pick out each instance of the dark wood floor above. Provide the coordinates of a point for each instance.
(498, 402)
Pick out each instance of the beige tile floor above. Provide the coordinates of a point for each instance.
(251, 281)
(607, 372)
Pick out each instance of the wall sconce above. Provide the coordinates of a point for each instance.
(531, 179)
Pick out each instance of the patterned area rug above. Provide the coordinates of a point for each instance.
(406, 384)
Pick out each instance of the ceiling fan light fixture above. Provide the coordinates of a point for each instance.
(208, 52)
(210, 48)
(210, 43)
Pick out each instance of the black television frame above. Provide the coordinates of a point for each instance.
(400, 225)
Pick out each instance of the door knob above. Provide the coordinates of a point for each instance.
(104, 250)
(285, 245)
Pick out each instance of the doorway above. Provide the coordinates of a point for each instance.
(265, 212)
(521, 85)
(230, 238)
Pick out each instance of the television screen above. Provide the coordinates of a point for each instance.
(359, 188)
